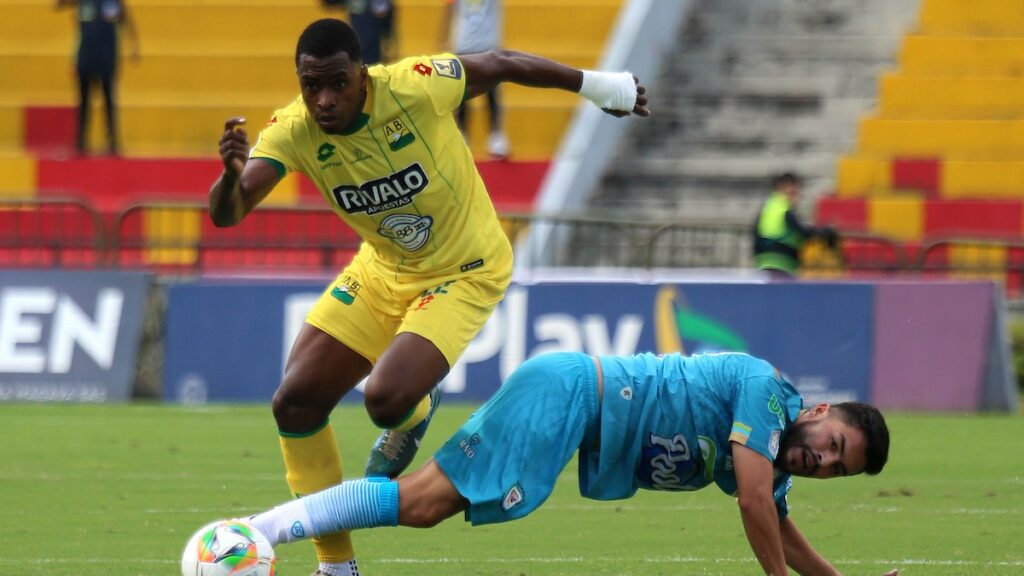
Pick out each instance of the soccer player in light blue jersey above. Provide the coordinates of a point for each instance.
(671, 422)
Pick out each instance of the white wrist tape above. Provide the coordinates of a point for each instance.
(611, 90)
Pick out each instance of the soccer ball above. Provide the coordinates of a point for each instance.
(228, 548)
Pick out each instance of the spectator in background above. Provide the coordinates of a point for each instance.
(374, 23)
(98, 23)
(475, 26)
(778, 232)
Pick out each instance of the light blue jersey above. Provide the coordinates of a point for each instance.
(667, 422)
(664, 423)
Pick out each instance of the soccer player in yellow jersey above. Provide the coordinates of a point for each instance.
(382, 146)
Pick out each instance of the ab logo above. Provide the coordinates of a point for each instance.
(397, 135)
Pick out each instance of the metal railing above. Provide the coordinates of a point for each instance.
(179, 238)
(49, 233)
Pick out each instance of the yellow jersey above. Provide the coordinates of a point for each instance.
(402, 177)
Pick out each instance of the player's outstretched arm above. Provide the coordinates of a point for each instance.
(754, 477)
(242, 185)
(618, 93)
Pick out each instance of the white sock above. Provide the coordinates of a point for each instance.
(285, 523)
(343, 569)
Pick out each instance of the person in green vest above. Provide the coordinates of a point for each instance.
(778, 232)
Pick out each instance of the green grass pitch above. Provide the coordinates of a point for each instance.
(117, 490)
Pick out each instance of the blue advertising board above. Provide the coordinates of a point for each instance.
(70, 336)
(228, 342)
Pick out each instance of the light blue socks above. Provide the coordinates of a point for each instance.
(347, 506)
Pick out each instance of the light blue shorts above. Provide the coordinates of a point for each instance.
(506, 458)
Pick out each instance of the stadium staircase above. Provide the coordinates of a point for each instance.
(754, 88)
(939, 166)
(203, 61)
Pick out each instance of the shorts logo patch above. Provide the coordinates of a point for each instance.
(773, 443)
(472, 265)
(513, 498)
(347, 291)
(448, 67)
(297, 530)
(467, 444)
(397, 135)
(626, 393)
(430, 295)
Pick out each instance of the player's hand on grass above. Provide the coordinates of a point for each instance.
(234, 146)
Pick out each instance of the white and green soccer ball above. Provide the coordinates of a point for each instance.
(228, 548)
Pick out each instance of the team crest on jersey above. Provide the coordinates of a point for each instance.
(359, 155)
(448, 67)
(325, 151)
(397, 135)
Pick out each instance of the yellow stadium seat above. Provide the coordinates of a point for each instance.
(973, 262)
(19, 176)
(898, 218)
(950, 139)
(979, 17)
(171, 234)
(982, 180)
(205, 60)
(860, 176)
(961, 56)
(951, 98)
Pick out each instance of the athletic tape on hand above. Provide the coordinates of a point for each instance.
(611, 90)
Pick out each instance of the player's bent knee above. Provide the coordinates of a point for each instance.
(388, 409)
(295, 413)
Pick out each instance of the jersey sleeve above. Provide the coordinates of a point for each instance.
(441, 77)
(274, 144)
(759, 416)
(782, 486)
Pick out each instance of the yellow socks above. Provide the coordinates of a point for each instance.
(313, 463)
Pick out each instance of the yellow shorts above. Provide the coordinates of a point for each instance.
(365, 308)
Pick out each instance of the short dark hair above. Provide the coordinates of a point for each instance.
(327, 37)
(870, 421)
(786, 179)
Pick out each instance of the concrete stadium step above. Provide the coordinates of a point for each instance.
(838, 17)
(762, 167)
(961, 56)
(757, 82)
(956, 98)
